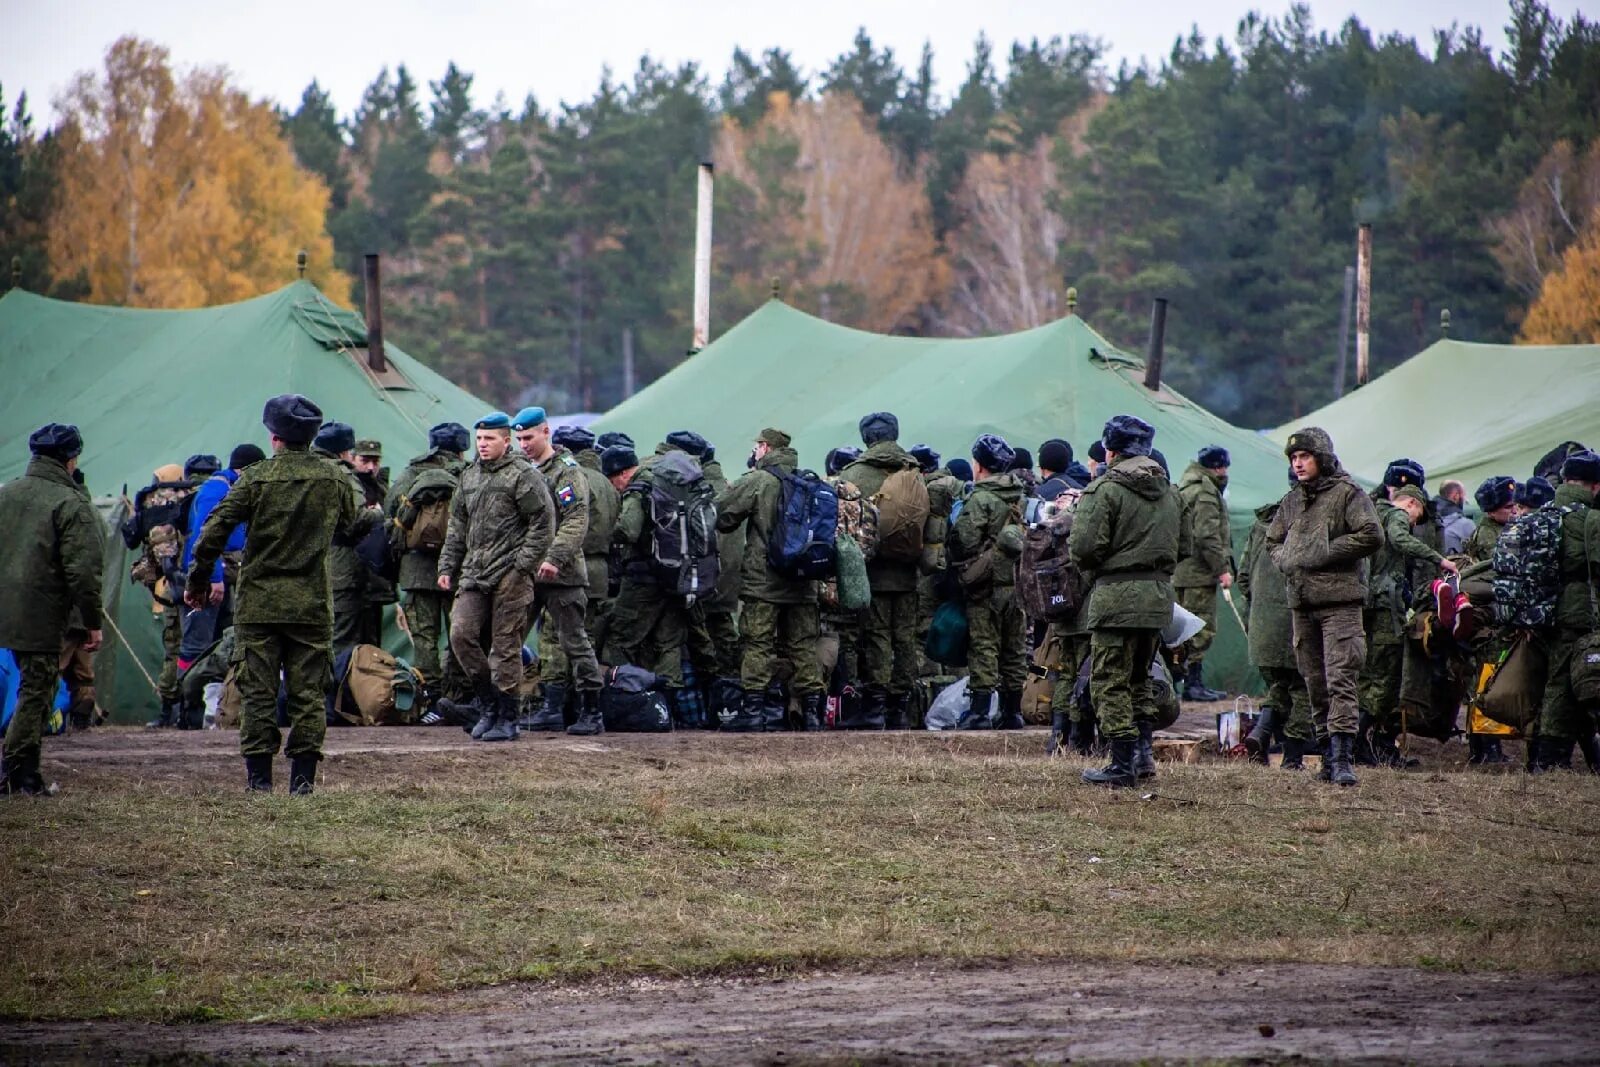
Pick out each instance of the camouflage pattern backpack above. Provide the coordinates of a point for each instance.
(858, 524)
(1527, 567)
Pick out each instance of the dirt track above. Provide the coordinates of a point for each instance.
(1049, 1013)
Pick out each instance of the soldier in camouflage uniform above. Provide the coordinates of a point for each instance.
(502, 519)
(377, 590)
(1208, 565)
(561, 583)
(893, 656)
(1496, 497)
(721, 656)
(984, 544)
(49, 578)
(152, 528)
(840, 628)
(1563, 719)
(943, 492)
(294, 503)
(779, 613)
(1271, 643)
(352, 619)
(1127, 533)
(427, 607)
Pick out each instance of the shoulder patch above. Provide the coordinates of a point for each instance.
(566, 458)
(566, 496)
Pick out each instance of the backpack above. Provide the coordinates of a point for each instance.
(903, 508)
(801, 543)
(631, 702)
(160, 518)
(1049, 587)
(423, 513)
(858, 517)
(947, 637)
(374, 689)
(683, 526)
(1527, 567)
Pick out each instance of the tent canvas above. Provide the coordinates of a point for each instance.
(813, 379)
(150, 387)
(1466, 411)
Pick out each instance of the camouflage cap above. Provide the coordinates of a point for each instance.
(1410, 492)
(369, 448)
(773, 438)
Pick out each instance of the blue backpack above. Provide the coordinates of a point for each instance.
(801, 544)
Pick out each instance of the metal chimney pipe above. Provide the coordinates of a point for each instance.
(375, 355)
(702, 263)
(1363, 301)
(1158, 343)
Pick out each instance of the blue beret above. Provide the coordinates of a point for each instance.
(926, 457)
(528, 418)
(840, 458)
(1213, 456)
(57, 440)
(879, 426)
(495, 420)
(335, 437)
(992, 451)
(1404, 472)
(293, 418)
(960, 468)
(450, 437)
(1495, 493)
(617, 459)
(574, 437)
(1581, 467)
(1128, 435)
(687, 441)
(1536, 492)
(201, 464)
(613, 437)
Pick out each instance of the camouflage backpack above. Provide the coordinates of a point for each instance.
(858, 525)
(1527, 567)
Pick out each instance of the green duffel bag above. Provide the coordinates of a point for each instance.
(854, 589)
(946, 642)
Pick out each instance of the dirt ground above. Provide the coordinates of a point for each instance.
(1046, 1013)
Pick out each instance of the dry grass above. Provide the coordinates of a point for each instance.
(153, 888)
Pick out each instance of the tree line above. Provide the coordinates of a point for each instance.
(527, 247)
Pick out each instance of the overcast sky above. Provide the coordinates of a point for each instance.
(557, 50)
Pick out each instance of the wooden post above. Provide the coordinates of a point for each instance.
(1343, 358)
(702, 263)
(627, 362)
(300, 262)
(1444, 323)
(375, 356)
(1072, 300)
(1363, 303)
(1158, 343)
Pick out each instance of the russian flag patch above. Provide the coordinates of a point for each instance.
(566, 495)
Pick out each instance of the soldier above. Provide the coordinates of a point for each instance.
(377, 590)
(943, 492)
(1496, 497)
(846, 626)
(721, 608)
(985, 543)
(1208, 566)
(1288, 706)
(429, 481)
(155, 529)
(1097, 459)
(892, 656)
(203, 628)
(1532, 495)
(1563, 719)
(293, 504)
(778, 613)
(1324, 530)
(501, 523)
(49, 573)
(561, 583)
(353, 622)
(1126, 533)
(1058, 470)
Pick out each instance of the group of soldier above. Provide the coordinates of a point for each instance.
(553, 536)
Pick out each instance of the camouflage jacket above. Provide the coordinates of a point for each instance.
(1320, 539)
(419, 567)
(346, 572)
(50, 564)
(1126, 533)
(868, 474)
(500, 517)
(569, 491)
(1580, 560)
(1212, 547)
(1266, 599)
(994, 505)
(1400, 569)
(1480, 546)
(730, 550)
(603, 506)
(752, 503)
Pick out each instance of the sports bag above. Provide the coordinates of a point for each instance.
(631, 702)
(800, 544)
(422, 515)
(683, 527)
(375, 689)
(1049, 587)
(1527, 567)
(902, 503)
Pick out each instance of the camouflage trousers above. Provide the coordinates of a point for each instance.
(564, 609)
(487, 628)
(997, 644)
(555, 668)
(1330, 646)
(725, 651)
(300, 659)
(889, 640)
(1287, 694)
(1074, 648)
(35, 697)
(428, 618)
(774, 631)
(171, 643)
(1560, 714)
(77, 670)
(1378, 687)
(1202, 600)
(648, 629)
(1119, 676)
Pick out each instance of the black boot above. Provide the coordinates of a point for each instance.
(1364, 754)
(1474, 750)
(1011, 711)
(1552, 754)
(976, 717)
(1341, 771)
(503, 724)
(811, 712)
(1194, 686)
(1258, 742)
(1386, 746)
(452, 712)
(1060, 732)
(751, 716)
(1590, 747)
(894, 711)
(1492, 752)
(775, 710)
(487, 702)
(1325, 748)
(589, 721)
(874, 709)
(258, 774)
(167, 717)
(302, 775)
(1294, 751)
(1119, 772)
(1144, 752)
(551, 716)
(1080, 737)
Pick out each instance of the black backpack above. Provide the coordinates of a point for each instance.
(801, 543)
(683, 527)
(632, 702)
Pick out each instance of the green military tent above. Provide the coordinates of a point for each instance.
(154, 387)
(814, 380)
(1466, 411)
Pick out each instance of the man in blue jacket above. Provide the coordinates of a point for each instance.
(202, 627)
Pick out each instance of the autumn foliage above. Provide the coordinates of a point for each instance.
(1568, 309)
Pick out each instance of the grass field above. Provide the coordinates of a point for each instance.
(154, 888)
